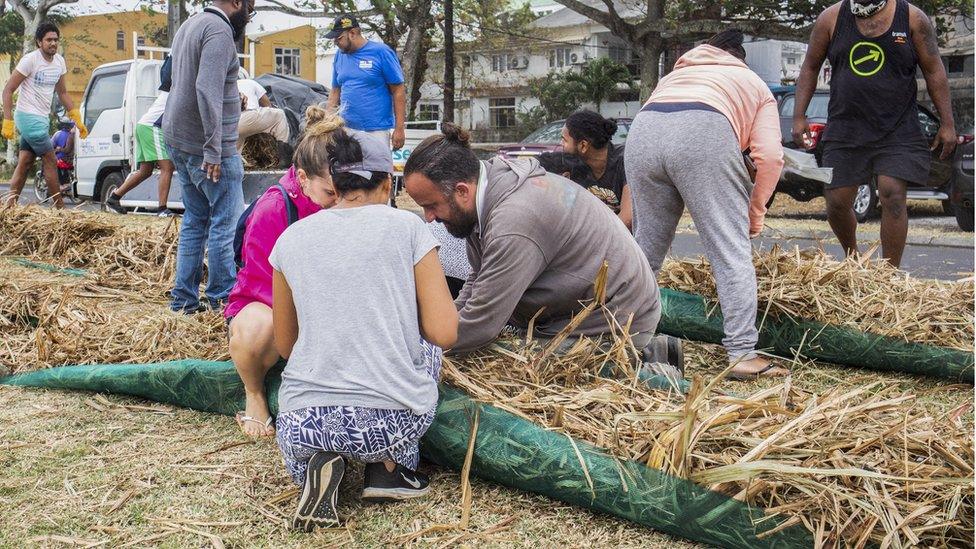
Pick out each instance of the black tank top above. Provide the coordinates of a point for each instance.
(872, 82)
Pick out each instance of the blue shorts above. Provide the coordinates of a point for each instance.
(34, 130)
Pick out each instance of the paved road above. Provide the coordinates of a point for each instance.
(929, 261)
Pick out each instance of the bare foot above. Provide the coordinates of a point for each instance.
(756, 367)
(254, 421)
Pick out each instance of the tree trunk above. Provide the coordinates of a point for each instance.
(650, 59)
(175, 16)
(414, 52)
(448, 115)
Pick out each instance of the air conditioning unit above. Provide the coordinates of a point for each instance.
(574, 59)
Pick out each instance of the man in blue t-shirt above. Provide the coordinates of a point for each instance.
(368, 82)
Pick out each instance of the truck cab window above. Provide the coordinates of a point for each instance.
(106, 92)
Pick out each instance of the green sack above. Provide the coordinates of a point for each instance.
(687, 316)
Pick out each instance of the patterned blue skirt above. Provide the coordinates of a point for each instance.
(368, 435)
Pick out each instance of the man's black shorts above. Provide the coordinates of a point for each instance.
(908, 160)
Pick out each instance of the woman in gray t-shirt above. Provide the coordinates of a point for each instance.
(361, 310)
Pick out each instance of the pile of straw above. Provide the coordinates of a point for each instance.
(864, 294)
(51, 320)
(260, 152)
(861, 465)
(139, 257)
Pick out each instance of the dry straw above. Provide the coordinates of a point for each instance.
(858, 464)
(260, 152)
(861, 293)
(861, 465)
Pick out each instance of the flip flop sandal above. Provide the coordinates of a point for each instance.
(752, 376)
(242, 419)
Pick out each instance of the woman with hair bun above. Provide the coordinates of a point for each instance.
(248, 312)
(361, 312)
(686, 148)
(590, 158)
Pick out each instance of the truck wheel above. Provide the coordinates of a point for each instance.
(964, 217)
(111, 182)
(866, 202)
(947, 207)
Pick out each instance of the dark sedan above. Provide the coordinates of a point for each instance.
(938, 186)
(548, 138)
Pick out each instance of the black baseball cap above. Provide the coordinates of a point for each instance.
(341, 25)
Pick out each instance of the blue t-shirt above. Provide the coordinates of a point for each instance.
(363, 77)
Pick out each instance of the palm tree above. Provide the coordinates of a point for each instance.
(598, 78)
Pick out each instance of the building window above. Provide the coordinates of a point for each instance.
(502, 111)
(559, 57)
(120, 40)
(140, 43)
(955, 64)
(618, 54)
(428, 112)
(288, 61)
(500, 62)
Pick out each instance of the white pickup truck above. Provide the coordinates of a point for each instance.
(117, 95)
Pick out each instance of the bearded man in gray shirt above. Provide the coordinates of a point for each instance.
(200, 126)
(536, 242)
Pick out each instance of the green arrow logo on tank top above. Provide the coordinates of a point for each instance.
(866, 58)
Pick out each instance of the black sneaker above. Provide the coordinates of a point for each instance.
(113, 203)
(381, 485)
(317, 506)
(667, 350)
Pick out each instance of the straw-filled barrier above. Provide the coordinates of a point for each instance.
(861, 293)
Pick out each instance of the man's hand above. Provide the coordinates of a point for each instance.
(212, 171)
(399, 137)
(8, 129)
(946, 138)
(801, 129)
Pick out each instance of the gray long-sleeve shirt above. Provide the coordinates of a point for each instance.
(204, 107)
(540, 244)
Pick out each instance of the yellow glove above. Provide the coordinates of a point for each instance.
(8, 129)
(75, 115)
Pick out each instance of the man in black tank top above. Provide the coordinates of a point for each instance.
(874, 47)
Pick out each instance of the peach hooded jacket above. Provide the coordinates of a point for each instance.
(709, 75)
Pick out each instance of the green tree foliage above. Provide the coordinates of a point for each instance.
(598, 79)
(651, 27)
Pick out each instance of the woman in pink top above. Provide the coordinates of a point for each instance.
(687, 147)
(248, 310)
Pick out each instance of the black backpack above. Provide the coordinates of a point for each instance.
(292, 212)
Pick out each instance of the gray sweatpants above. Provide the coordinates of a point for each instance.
(692, 158)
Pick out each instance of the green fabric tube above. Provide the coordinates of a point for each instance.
(687, 316)
(509, 450)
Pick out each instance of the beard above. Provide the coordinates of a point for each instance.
(462, 223)
(238, 21)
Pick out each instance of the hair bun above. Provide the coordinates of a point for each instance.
(454, 134)
(610, 126)
(320, 120)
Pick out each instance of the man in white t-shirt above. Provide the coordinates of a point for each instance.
(39, 74)
(257, 114)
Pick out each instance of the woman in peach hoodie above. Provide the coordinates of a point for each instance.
(687, 148)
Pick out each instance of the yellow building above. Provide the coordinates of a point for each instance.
(88, 41)
(290, 51)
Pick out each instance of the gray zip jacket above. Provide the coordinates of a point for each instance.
(540, 244)
(204, 105)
